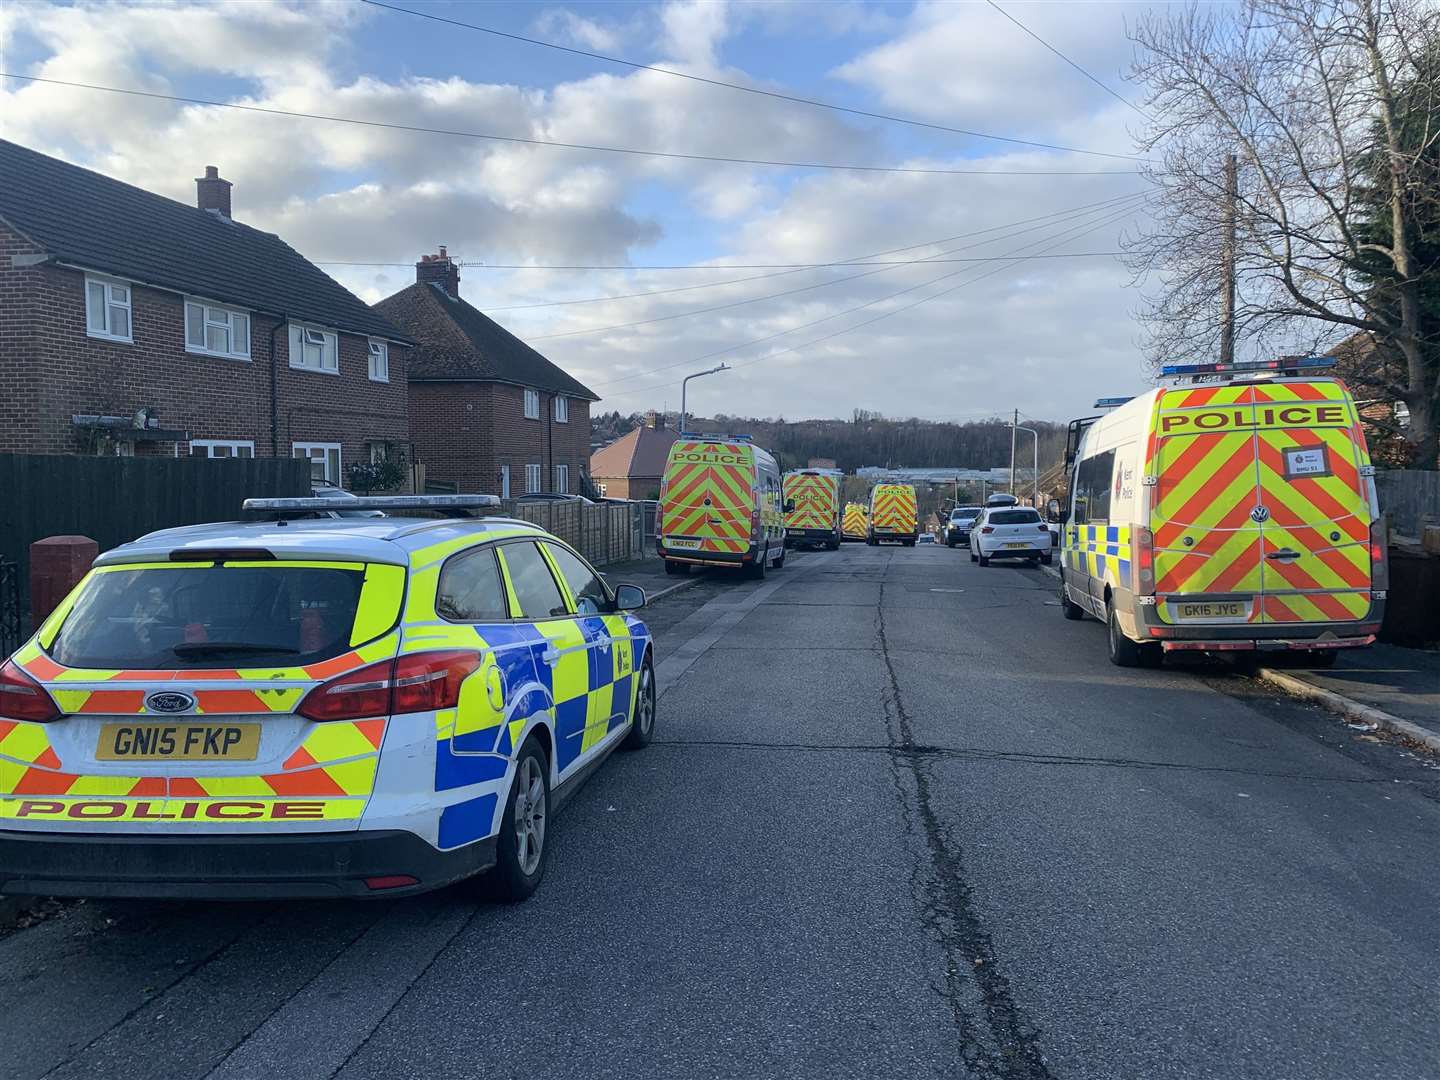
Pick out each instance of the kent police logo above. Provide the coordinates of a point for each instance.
(169, 701)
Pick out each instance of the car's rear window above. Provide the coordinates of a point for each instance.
(1013, 517)
(965, 512)
(211, 616)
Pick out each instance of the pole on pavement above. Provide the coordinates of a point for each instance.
(1012, 450)
(1035, 477)
(685, 385)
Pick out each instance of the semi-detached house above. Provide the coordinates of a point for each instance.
(488, 414)
(134, 324)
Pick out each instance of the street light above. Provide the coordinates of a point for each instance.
(1034, 476)
(684, 385)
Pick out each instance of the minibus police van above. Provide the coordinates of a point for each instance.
(1236, 516)
(720, 505)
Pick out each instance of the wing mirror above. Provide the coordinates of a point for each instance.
(629, 598)
(789, 506)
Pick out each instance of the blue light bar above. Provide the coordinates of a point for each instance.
(1287, 364)
(1111, 402)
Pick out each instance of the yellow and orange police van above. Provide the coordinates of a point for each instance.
(894, 514)
(720, 505)
(856, 523)
(813, 508)
(332, 707)
(1234, 516)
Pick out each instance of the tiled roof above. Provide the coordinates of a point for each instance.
(458, 342)
(641, 452)
(89, 220)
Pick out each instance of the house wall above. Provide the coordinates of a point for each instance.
(630, 487)
(51, 369)
(464, 432)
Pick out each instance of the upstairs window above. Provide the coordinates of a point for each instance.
(215, 331)
(313, 349)
(532, 404)
(107, 309)
(379, 361)
(562, 409)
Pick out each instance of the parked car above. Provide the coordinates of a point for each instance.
(552, 496)
(340, 496)
(1010, 532)
(926, 538)
(957, 529)
(340, 707)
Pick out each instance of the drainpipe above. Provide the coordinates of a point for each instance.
(549, 445)
(275, 389)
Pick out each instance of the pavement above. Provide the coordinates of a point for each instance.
(1399, 681)
(900, 819)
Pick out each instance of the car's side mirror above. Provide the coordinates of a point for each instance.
(1064, 515)
(629, 598)
(789, 506)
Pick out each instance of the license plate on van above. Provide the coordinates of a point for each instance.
(178, 742)
(1211, 609)
(684, 545)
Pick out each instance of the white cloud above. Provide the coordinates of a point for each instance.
(566, 27)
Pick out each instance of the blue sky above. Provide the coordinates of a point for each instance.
(1044, 336)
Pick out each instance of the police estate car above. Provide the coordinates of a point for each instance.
(351, 706)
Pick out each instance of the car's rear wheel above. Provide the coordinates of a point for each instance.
(520, 851)
(642, 725)
(973, 556)
(1048, 558)
(1123, 651)
(984, 559)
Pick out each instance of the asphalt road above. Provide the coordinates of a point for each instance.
(900, 820)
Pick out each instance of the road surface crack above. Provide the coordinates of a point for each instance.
(947, 906)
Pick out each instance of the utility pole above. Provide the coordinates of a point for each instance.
(1013, 423)
(1227, 265)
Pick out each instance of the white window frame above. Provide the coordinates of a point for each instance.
(532, 404)
(562, 409)
(306, 450)
(534, 478)
(211, 445)
(108, 304)
(211, 315)
(300, 339)
(562, 479)
(379, 350)
(505, 481)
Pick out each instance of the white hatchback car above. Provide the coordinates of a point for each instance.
(1010, 532)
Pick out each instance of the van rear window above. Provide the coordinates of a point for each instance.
(1013, 517)
(210, 616)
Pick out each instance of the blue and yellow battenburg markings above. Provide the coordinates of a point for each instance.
(1102, 551)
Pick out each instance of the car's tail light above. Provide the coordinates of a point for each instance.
(1379, 562)
(1045, 528)
(22, 698)
(419, 682)
(1143, 550)
(987, 529)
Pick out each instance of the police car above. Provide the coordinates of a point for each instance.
(343, 706)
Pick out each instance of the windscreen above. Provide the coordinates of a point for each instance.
(1013, 517)
(208, 616)
(965, 512)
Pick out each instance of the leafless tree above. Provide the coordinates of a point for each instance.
(1330, 107)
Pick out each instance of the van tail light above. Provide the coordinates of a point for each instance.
(418, 682)
(755, 524)
(987, 529)
(1379, 562)
(22, 698)
(1143, 551)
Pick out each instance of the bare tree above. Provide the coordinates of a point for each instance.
(1330, 107)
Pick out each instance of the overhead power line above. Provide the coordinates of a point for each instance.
(594, 148)
(1072, 63)
(1071, 233)
(743, 88)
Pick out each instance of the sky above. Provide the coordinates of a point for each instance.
(945, 340)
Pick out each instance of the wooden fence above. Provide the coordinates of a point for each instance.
(1411, 497)
(604, 532)
(113, 500)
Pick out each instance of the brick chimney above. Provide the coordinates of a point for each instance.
(440, 269)
(212, 192)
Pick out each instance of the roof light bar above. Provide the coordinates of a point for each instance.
(1295, 363)
(1111, 402)
(374, 502)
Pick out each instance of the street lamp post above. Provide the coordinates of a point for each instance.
(684, 385)
(1034, 476)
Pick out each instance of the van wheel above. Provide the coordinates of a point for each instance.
(779, 560)
(1067, 608)
(674, 567)
(756, 570)
(642, 722)
(1318, 657)
(1123, 651)
(521, 851)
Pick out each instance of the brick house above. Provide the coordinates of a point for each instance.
(633, 465)
(134, 324)
(488, 414)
